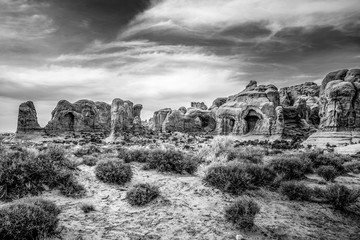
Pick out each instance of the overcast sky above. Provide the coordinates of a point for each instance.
(166, 53)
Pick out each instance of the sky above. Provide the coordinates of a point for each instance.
(166, 53)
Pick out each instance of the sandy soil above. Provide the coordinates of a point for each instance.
(188, 209)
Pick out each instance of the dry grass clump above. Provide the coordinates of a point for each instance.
(246, 154)
(296, 191)
(352, 166)
(142, 194)
(242, 212)
(24, 172)
(28, 219)
(87, 150)
(134, 155)
(113, 171)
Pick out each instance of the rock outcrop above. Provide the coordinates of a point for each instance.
(81, 116)
(27, 119)
(199, 105)
(159, 118)
(253, 111)
(339, 108)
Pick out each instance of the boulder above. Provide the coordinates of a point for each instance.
(218, 102)
(81, 116)
(27, 119)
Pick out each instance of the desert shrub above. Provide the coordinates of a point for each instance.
(329, 173)
(86, 208)
(296, 190)
(90, 161)
(260, 175)
(142, 194)
(242, 212)
(22, 172)
(69, 187)
(113, 171)
(291, 168)
(246, 154)
(135, 155)
(340, 196)
(172, 161)
(353, 166)
(335, 160)
(87, 150)
(28, 219)
(235, 178)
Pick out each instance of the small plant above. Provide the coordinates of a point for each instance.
(242, 212)
(142, 194)
(86, 208)
(134, 155)
(90, 161)
(329, 173)
(172, 161)
(28, 219)
(340, 196)
(291, 168)
(353, 166)
(296, 191)
(113, 171)
(87, 150)
(246, 154)
(228, 178)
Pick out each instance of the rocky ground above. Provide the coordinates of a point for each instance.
(189, 209)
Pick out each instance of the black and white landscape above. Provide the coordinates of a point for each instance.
(179, 119)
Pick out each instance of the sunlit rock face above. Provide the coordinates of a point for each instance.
(253, 111)
(81, 116)
(340, 103)
(199, 105)
(159, 118)
(339, 109)
(27, 119)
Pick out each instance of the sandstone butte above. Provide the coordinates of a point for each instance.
(329, 113)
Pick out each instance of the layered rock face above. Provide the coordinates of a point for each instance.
(340, 101)
(81, 116)
(253, 111)
(27, 119)
(339, 108)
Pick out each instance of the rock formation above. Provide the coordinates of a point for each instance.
(199, 105)
(252, 111)
(339, 108)
(159, 118)
(27, 119)
(81, 116)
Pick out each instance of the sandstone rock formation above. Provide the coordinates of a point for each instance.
(159, 118)
(339, 108)
(252, 111)
(218, 102)
(27, 119)
(81, 116)
(199, 105)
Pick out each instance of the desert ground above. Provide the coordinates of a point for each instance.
(188, 207)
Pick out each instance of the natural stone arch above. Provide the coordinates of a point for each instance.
(69, 121)
(208, 123)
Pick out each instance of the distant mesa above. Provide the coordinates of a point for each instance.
(327, 113)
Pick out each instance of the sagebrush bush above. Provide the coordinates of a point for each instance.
(353, 166)
(242, 212)
(142, 194)
(172, 161)
(329, 173)
(340, 196)
(135, 155)
(235, 178)
(86, 208)
(113, 171)
(246, 154)
(331, 159)
(90, 161)
(290, 167)
(28, 219)
(296, 191)
(87, 150)
(23, 172)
